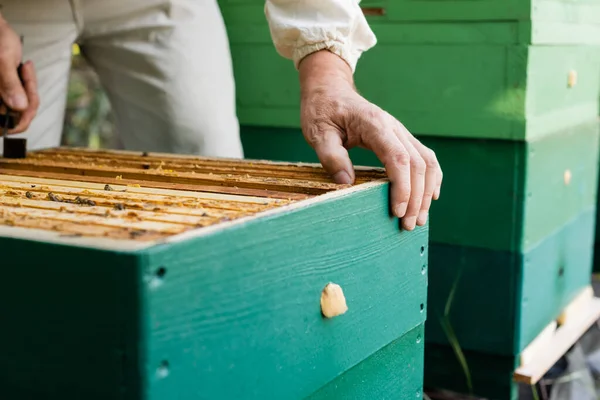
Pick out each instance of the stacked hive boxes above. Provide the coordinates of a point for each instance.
(506, 92)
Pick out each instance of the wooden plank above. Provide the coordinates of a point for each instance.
(145, 191)
(162, 185)
(449, 33)
(577, 308)
(114, 214)
(148, 161)
(249, 335)
(183, 157)
(14, 214)
(164, 215)
(187, 178)
(564, 338)
(394, 372)
(136, 200)
(539, 344)
(440, 10)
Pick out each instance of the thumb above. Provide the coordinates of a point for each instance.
(11, 88)
(333, 156)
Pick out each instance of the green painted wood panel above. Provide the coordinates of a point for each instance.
(596, 267)
(280, 265)
(487, 225)
(553, 273)
(516, 189)
(550, 201)
(577, 12)
(234, 305)
(71, 326)
(503, 300)
(475, 90)
(587, 11)
(491, 375)
(246, 24)
(391, 373)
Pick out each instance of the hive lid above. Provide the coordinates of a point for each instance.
(134, 200)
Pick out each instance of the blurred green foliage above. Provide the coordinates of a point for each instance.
(89, 121)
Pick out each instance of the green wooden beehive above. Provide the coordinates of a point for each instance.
(511, 213)
(513, 233)
(506, 93)
(132, 276)
(463, 81)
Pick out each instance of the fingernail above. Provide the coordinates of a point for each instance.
(422, 220)
(18, 101)
(342, 177)
(400, 210)
(409, 223)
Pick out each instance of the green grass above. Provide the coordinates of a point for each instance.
(451, 336)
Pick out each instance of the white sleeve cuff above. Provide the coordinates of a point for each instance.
(300, 28)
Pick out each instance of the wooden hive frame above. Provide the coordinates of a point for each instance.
(136, 199)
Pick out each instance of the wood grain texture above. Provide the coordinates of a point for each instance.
(248, 302)
(394, 372)
(113, 214)
(82, 169)
(460, 11)
(180, 163)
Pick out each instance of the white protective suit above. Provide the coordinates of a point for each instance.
(165, 64)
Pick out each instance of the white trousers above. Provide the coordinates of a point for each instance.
(164, 64)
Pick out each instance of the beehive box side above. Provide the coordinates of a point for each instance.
(483, 288)
(553, 273)
(562, 87)
(71, 323)
(394, 372)
(561, 181)
(488, 10)
(237, 314)
(485, 82)
(517, 294)
(486, 375)
(403, 10)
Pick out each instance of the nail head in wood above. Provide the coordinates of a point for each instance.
(333, 301)
(572, 80)
(567, 176)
